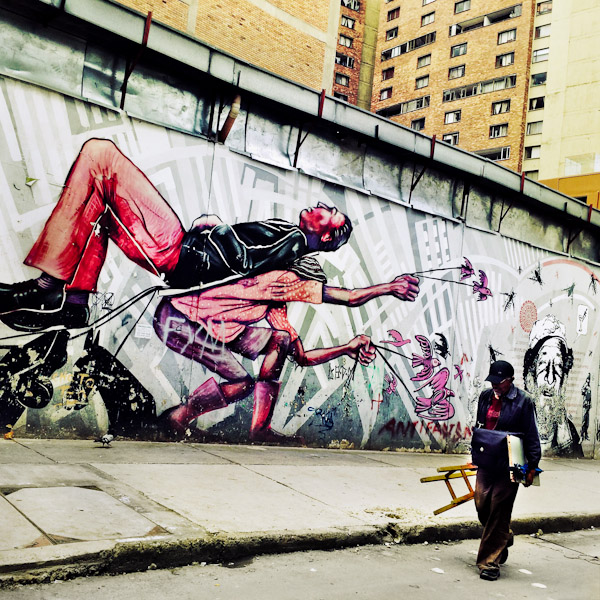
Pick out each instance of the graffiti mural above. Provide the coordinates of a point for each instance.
(160, 286)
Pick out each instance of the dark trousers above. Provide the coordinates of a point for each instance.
(495, 495)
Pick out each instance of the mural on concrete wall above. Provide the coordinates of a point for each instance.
(173, 289)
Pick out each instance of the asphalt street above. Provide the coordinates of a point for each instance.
(561, 566)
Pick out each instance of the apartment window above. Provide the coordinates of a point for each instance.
(405, 107)
(428, 19)
(423, 61)
(425, 2)
(421, 82)
(387, 73)
(495, 153)
(456, 72)
(462, 6)
(345, 61)
(451, 138)
(534, 128)
(497, 131)
(544, 7)
(503, 106)
(342, 79)
(348, 22)
(409, 46)
(393, 14)
(351, 4)
(340, 96)
(540, 55)
(385, 93)
(345, 41)
(533, 175)
(390, 34)
(542, 31)
(452, 116)
(504, 60)
(418, 124)
(458, 50)
(536, 103)
(481, 87)
(509, 35)
(538, 78)
(532, 151)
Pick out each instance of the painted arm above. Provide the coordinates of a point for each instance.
(358, 347)
(404, 287)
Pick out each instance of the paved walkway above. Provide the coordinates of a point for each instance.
(74, 507)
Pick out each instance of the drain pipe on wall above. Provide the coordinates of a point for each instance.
(234, 111)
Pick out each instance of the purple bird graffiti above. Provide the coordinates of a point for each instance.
(397, 340)
(466, 270)
(427, 363)
(392, 384)
(438, 407)
(481, 287)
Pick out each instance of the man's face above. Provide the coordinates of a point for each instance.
(549, 368)
(500, 389)
(321, 221)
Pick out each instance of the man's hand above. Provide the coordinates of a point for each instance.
(529, 477)
(405, 287)
(360, 347)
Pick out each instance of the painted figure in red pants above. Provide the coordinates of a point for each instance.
(107, 197)
(213, 326)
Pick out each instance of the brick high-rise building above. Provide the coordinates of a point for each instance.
(517, 81)
(459, 70)
(296, 40)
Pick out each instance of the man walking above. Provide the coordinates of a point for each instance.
(505, 407)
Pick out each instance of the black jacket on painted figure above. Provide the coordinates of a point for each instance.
(226, 253)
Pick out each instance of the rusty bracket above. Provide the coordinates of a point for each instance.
(131, 65)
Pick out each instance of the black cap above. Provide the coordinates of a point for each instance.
(499, 371)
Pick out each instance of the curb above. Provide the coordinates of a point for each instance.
(102, 558)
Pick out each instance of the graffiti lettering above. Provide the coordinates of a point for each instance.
(104, 300)
(338, 372)
(326, 423)
(410, 429)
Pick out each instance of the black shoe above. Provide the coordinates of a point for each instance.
(71, 316)
(503, 556)
(489, 574)
(29, 296)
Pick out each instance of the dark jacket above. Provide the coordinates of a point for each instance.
(226, 253)
(517, 415)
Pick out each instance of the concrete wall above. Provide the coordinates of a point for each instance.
(534, 292)
(506, 270)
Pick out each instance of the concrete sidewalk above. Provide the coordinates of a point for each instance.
(72, 508)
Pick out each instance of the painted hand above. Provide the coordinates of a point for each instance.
(405, 287)
(360, 347)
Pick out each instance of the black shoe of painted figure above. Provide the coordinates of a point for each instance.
(71, 316)
(489, 574)
(503, 556)
(29, 296)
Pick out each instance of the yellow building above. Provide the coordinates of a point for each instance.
(562, 141)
